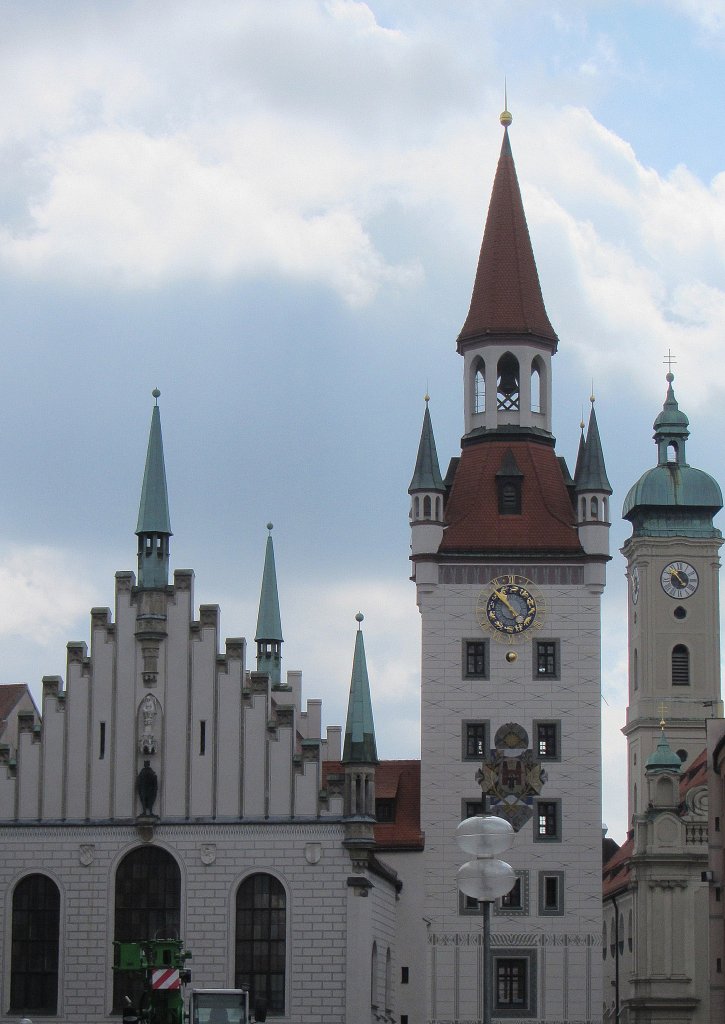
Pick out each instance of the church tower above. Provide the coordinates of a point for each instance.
(509, 594)
(674, 622)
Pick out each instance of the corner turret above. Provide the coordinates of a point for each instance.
(592, 492)
(426, 493)
(359, 754)
(269, 624)
(154, 527)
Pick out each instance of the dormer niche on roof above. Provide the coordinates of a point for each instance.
(268, 636)
(154, 527)
(507, 340)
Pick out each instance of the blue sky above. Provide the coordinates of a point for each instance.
(272, 211)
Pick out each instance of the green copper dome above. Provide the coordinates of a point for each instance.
(673, 499)
(664, 759)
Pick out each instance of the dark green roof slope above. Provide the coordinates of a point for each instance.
(591, 471)
(153, 512)
(427, 474)
(269, 622)
(359, 744)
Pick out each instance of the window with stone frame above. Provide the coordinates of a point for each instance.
(474, 740)
(551, 893)
(35, 946)
(515, 902)
(547, 821)
(475, 659)
(261, 940)
(547, 736)
(511, 983)
(546, 659)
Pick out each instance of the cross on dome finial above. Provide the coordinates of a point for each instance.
(669, 359)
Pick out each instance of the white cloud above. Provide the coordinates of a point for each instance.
(41, 595)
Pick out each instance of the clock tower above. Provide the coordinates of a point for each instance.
(509, 556)
(674, 620)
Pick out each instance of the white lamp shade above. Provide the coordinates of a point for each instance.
(484, 835)
(486, 879)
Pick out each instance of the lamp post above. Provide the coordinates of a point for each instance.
(485, 878)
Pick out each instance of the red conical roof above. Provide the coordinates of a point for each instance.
(506, 294)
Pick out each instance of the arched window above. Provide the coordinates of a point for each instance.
(621, 933)
(261, 940)
(34, 957)
(584, 508)
(635, 670)
(416, 504)
(426, 507)
(507, 386)
(147, 906)
(680, 665)
(374, 977)
(535, 387)
(594, 507)
(629, 931)
(438, 508)
(479, 391)
(672, 452)
(604, 941)
(634, 799)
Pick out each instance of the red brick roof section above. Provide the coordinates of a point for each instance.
(506, 295)
(398, 780)
(615, 875)
(473, 522)
(695, 775)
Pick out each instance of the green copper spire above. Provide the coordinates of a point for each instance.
(427, 474)
(360, 730)
(154, 526)
(591, 474)
(269, 624)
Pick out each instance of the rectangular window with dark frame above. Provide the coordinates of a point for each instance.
(475, 659)
(547, 736)
(101, 740)
(511, 983)
(385, 809)
(551, 893)
(471, 807)
(474, 740)
(546, 659)
(512, 900)
(547, 821)
(516, 901)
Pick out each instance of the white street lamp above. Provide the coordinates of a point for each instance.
(485, 879)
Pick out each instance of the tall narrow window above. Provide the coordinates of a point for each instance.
(595, 508)
(535, 389)
(479, 391)
(261, 940)
(374, 977)
(101, 740)
(511, 983)
(680, 665)
(388, 982)
(148, 906)
(202, 738)
(34, 956)
(474, 740)
(475, 659)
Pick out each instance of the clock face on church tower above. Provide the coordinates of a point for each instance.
(679, 580)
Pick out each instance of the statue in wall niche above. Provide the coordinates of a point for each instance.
(147, 787)
(149, 709)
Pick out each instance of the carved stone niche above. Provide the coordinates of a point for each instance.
(148, 726)
(150, 655)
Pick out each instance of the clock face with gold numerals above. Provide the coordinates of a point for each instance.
(679, 580)
(509, 607)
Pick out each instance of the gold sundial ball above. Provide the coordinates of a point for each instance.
(505, 118)
(511, 657)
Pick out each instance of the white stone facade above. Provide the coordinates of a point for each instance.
(564, 948)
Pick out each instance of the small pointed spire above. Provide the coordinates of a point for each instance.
(591, 473)
(507, 295)
(268, 636)
(427, 473)
(580, 450)
(359, 745)
(154, 525)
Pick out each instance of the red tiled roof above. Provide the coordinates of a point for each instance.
(695, 775)
(615, 875)
(399, 780)
(506, 295)
(473, 521)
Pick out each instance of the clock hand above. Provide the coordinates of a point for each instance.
(681, 580)
(505, 601)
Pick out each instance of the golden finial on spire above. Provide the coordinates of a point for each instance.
(505, 117)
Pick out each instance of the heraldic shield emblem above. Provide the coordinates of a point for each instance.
(511, 777)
